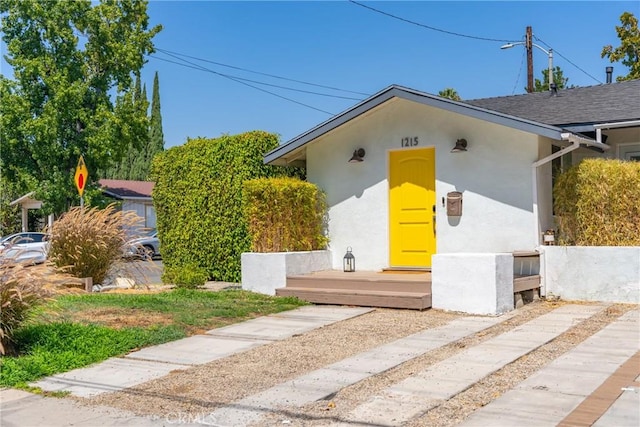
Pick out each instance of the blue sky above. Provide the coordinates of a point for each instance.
(342, 45)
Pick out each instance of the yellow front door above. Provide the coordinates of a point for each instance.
(412, 198)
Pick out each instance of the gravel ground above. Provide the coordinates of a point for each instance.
(202, 389)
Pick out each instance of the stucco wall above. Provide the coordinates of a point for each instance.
(494, 175)
(592, 273)
(473, 283)
(266, 272)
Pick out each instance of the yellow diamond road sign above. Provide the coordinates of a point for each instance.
(81, 176)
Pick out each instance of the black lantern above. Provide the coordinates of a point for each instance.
(349, 261)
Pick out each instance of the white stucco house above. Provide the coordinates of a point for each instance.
(409, 175)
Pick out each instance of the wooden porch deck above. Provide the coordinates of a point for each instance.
(390, 289)
(395, 288)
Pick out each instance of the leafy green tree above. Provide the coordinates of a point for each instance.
(450, 93)
(629, 50)
(9, 215)
(72, 92)
(558, 78)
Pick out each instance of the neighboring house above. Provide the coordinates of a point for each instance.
(409, 174)
(134, 195)
(27, 202)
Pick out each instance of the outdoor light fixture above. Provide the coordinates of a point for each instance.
(349, 262)
(461, 145)
(358, 156)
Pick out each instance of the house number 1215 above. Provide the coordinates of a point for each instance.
(409, 141)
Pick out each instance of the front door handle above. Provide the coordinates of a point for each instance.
(434, 220)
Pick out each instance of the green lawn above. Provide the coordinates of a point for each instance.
(77, 330)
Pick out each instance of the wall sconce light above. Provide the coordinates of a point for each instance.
(358, 156)
(349, 262)
(461, 145)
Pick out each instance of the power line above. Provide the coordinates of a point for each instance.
(566, 59)
(199, 67)
(524, 52)
(453, 33)
(168, 52)
(237, 80)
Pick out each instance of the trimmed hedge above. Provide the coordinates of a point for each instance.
(596, 203)
(285, 214)
(198, 201)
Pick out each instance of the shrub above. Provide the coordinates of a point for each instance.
(198, 201)
(89, 242)
(187, 276)
(22, 287)
(285, 214)
(596, 203)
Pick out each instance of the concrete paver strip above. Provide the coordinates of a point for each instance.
(330, 379)
(157, 361)
(427, 389)
(21, 409)
(287, 324)
(195, 350)
(111, 375)
(549, 395)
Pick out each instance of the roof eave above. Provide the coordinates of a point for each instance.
(462, 108)
(123, 197)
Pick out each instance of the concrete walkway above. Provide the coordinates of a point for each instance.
(552, 393)
(157, 361)
(432, 387)
(323, 382)
(549, 397)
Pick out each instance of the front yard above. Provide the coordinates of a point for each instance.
(74, 331)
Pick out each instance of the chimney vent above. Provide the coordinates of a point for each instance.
(609, 71)
(554, 89)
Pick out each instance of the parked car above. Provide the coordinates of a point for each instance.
(146, 247)
(25, 246)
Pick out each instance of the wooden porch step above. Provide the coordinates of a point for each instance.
(363, 281)
(362, 297)
(525, 283)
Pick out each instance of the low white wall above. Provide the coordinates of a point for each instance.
(476, 283)
(265, 272)
(592, 273)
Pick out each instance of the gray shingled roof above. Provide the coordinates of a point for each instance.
(614, 102)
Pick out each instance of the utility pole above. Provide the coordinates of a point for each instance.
(529, 47)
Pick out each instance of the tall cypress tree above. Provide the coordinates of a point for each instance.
(156, 136)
